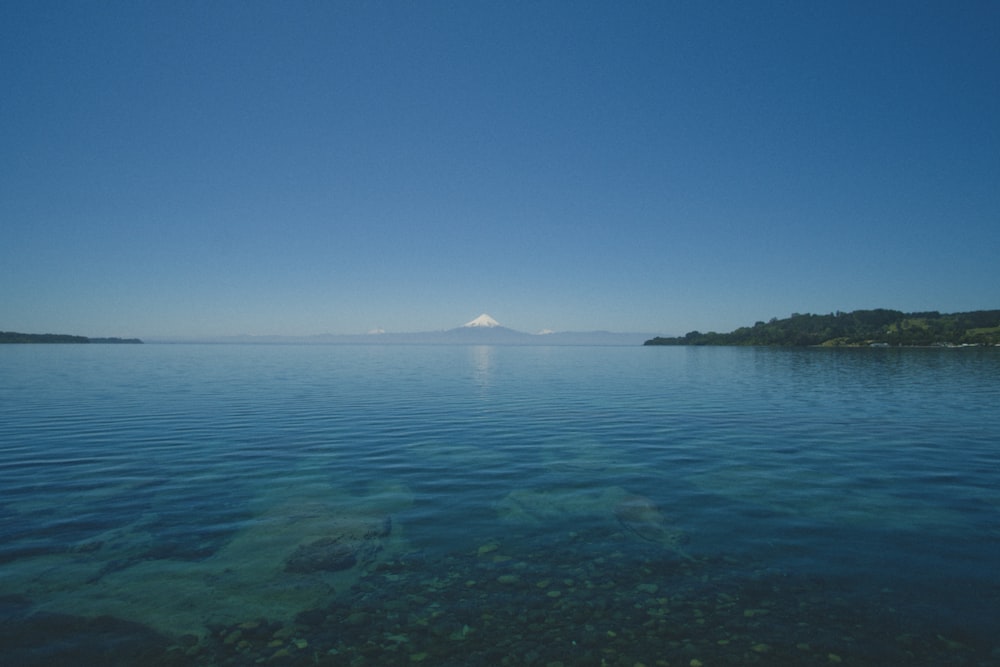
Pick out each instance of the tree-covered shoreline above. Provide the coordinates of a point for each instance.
(857, 328)
(16, 337)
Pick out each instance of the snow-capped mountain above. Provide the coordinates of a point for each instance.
(483, 320)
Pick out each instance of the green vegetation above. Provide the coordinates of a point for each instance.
(857, 328)
(15, 337)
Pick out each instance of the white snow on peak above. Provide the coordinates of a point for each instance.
(483, 320)
(545, 332)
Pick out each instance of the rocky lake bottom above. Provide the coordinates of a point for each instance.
(463, 506)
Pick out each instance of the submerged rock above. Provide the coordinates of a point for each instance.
(290, 551)
(341, 550)
(642, 517)
(327, 553)
(637, 514)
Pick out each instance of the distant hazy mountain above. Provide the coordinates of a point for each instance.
(483, 330)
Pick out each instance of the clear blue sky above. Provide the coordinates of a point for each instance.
(200, 168)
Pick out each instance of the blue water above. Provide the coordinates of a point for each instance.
(439, 505)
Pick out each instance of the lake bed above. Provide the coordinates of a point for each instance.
(463, 505)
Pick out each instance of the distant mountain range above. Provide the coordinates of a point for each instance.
(879, 327)
(483, 330)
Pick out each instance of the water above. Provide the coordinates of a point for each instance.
(201, 505)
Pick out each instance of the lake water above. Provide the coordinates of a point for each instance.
(462, 505)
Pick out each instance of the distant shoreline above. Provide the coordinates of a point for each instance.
(859, 328)
(14, 337)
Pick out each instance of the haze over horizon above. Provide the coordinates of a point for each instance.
(209, 169)
(484, 323)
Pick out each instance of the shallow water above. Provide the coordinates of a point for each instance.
(182, 504)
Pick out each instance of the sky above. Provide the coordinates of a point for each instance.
(217, 168)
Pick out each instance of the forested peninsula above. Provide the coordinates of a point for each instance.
(858, 328)
(15, 337)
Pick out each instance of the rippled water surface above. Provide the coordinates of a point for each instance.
(454, 505)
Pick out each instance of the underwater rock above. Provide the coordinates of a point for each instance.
(178, 595)
(339, 551)
(327, 553)
(65, 639)
(568, 506)
(642, 517)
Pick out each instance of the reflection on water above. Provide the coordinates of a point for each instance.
(482, 362)
(485, 505)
